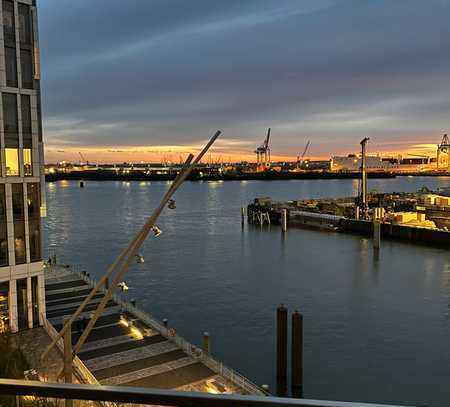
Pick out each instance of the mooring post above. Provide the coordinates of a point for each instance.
(297, 355)
(165, 322)
(68, 360)
(284, 220)
(206, 343)
(243, 216)
(376, 234)
(282, 342)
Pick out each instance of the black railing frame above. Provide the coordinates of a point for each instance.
(159, 397)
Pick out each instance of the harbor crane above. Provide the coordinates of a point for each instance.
(300, 159)
(263, 154)
(83, 160)
(363, 204)
(443, 148)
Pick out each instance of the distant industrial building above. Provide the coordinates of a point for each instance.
(352, 163)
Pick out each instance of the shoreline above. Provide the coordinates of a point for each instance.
(268, 176)
(100, 175)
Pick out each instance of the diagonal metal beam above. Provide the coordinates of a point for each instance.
(135, 247)
(132, 249)
(111, 269)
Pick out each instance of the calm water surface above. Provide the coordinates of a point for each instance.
(375, 331)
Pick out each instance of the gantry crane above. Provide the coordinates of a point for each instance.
(443, 148)
(301, 158)
(263, 154)
(83, 160)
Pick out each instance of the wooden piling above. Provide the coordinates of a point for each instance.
(282, 326)
(243, 216)
(206, 343)
(297, 355)
(68, 359)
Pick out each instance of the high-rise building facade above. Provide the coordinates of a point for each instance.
(22, 289)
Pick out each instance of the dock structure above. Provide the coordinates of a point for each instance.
(339, 215)
(128, 347)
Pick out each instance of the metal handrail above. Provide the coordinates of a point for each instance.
(159, 397)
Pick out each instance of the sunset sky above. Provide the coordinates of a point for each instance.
(151, 80)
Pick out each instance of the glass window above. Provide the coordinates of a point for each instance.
(27, 162)
(11, 66)
(25, 104)
(33, 201)
(9, 29)
(34, 221)
(34, 301)
(3, 231)
(10, 122)
(12, 162)
(34, 227)
(4, 307)
(26, 65)
(22, 303)
(24, 24)
(19, 223)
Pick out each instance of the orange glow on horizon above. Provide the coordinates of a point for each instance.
(224, 153)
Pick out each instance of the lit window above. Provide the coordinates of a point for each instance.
(27, 162)
(12, 162)
(4, 307)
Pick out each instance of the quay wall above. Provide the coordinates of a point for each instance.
(433, 237)
(399, 232)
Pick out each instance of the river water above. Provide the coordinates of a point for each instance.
(375, 330)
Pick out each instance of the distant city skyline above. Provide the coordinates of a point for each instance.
(151, 80)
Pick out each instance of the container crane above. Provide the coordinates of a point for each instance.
(263, 154)
(301, 158)
(443, 148)
(83, 160)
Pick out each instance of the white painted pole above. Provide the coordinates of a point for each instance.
(284, 220)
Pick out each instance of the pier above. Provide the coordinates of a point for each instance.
(336, 215)
(128, 347)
